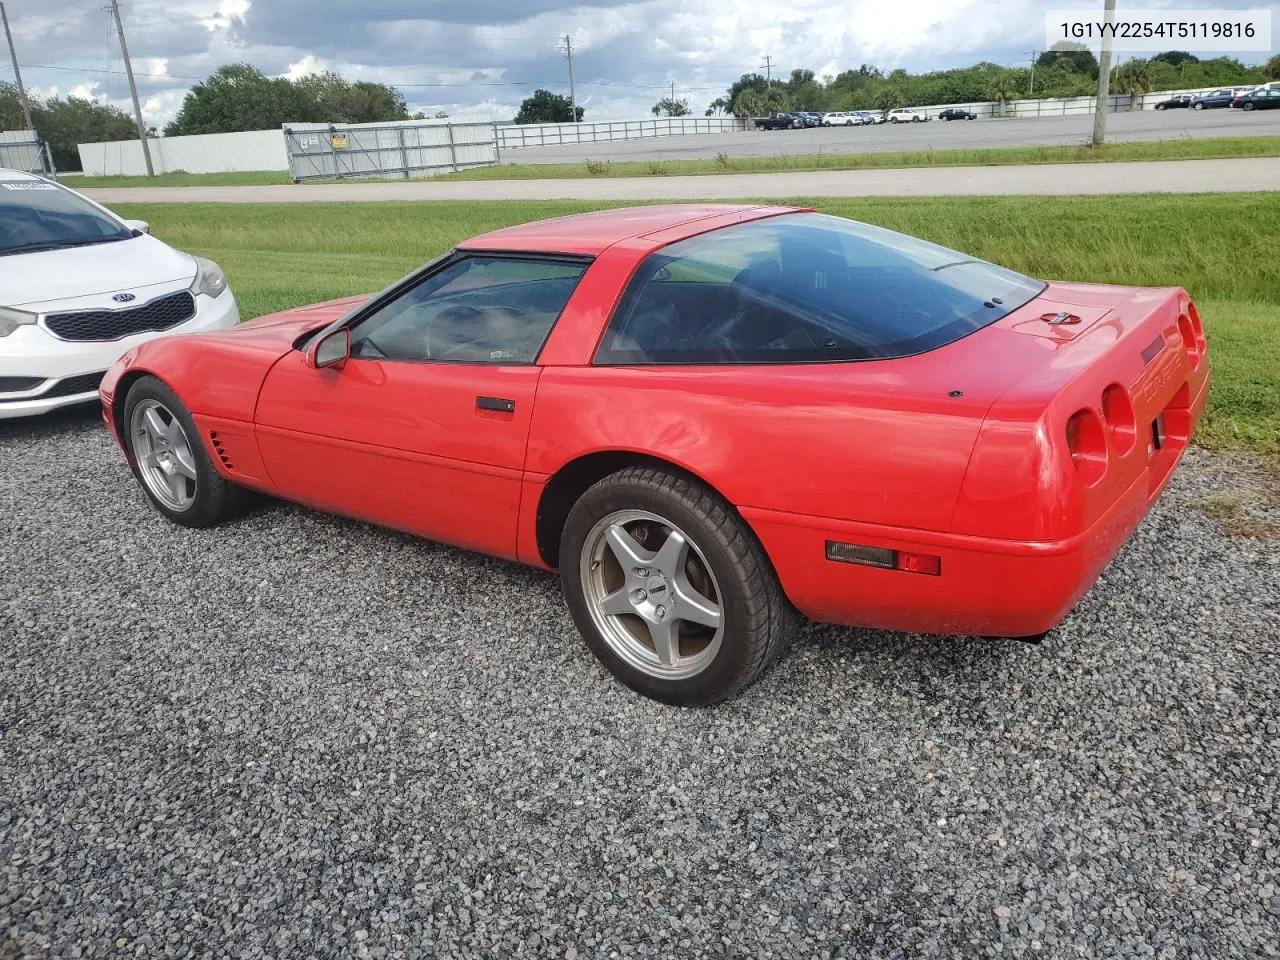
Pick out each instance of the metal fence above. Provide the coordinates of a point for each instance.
(25, 150)
(325, 151)
(516, 135)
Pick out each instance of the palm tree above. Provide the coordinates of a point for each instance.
(1134, 79)
(1003, 87)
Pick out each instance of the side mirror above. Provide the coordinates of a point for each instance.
(139, 227)
(331, 350)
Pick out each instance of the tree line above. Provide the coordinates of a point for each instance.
(1068, 70)
(235, 97)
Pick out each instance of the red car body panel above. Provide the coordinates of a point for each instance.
(959, 453)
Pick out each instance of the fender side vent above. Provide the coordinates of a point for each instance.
(220, 450)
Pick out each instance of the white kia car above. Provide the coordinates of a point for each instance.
(79, 287)
(907, 115)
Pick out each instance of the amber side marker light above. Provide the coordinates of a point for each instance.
(885, 559)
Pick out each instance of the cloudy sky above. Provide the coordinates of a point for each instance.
(481, 57)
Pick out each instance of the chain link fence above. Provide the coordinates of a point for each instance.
(324, 151)
(25, 150)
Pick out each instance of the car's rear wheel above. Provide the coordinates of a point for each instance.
(170, 460)
(1159, 106)
(670, 588)
(1199, 106)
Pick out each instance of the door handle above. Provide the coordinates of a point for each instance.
(501, 404)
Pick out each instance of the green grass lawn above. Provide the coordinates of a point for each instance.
(1220, 247)
(252, 178)
(1205, 149)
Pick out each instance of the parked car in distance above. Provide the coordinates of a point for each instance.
(79, 287)
(841, 119)
(776, 121)
(706, 417)
(1214, 100)
(957, 113)
(1258, 100)
(907, 115)
(1180, 102)
(874, 117)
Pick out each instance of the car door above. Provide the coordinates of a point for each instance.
(424, 427)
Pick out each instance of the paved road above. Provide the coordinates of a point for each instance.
(1171, 176)
(935, 135)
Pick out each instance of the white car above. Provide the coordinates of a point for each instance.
(907, 115)
(841, 119)
(79, 287)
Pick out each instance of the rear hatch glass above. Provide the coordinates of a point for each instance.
(805, 287)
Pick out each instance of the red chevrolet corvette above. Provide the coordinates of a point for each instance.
(707, 418)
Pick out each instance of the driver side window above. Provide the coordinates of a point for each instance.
(481, 309)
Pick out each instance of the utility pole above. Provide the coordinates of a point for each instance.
(17, 74)
(768, 68)
(1031, 90)
(568, 55)
(133, 89)
(1104, 75)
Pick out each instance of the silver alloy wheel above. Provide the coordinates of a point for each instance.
(652, 595)
(164, 456)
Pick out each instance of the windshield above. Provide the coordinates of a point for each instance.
(805, 287)
(39, 215)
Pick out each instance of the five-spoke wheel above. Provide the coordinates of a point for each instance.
(651, 594)
(170, 460)
(670, 588)
(163, 452)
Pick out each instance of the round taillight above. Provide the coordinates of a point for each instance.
(1189, 339)
(1117, 411)
(1088, 445)
(1197, 325)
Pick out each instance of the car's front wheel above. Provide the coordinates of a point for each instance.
(1248, 105)
(670, 589)
(170, 460)
(1199, 106)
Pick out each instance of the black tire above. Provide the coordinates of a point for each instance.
(758, 620)
(1159, 106)
(1199, 106)
(215, 499)
(1248, 104)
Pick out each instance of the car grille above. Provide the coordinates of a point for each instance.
(67, 387)
(72, 385)
(159, 314)
(17, 384)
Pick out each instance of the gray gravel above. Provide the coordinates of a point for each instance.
(298, 736)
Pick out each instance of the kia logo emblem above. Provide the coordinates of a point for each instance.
(124, 297)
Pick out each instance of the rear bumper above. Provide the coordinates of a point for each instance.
(987, 587)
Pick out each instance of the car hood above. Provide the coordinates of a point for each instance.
(290, 324)
(29, 279)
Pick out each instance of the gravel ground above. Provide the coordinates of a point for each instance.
(297, 735)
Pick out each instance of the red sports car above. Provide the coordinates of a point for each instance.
(707, 418)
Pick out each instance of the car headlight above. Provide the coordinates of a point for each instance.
(11, 320)
(209, 279)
